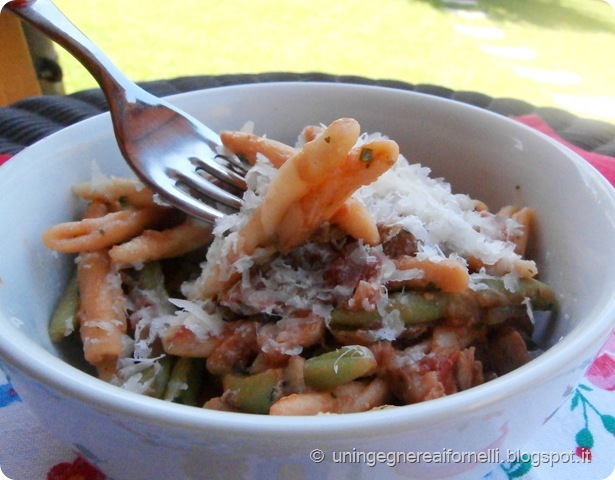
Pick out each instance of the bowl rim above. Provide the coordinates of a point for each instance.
(55, 373)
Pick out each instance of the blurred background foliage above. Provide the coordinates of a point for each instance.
(547, 52)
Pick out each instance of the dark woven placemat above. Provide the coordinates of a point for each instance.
(29, 120)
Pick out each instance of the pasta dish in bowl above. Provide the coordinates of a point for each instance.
(350, 280)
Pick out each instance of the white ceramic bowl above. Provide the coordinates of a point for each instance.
(133, 437)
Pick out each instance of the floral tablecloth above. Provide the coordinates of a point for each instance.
(577, 442)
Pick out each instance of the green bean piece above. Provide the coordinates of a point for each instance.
(185, 381)
(151, 278)
(542, 296)
(413, 307)
(416, 307)
(498, 315)
(253, 393)
(64, 318)
(158, 375)
(338, 367)
(163, 376)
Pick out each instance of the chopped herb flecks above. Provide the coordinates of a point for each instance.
(366, 155)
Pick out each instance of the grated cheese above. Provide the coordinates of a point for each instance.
(445, 224)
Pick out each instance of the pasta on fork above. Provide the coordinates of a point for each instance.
(350, 280)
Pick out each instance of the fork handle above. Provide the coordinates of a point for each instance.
(49, 19)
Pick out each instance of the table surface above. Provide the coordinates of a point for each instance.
(578, 441)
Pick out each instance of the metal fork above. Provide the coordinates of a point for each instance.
(171, 152)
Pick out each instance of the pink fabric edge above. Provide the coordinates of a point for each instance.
(603, 163)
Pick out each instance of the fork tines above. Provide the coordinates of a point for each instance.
(232, 174)
(211, 189)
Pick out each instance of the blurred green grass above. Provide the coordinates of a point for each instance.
(418, 41)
